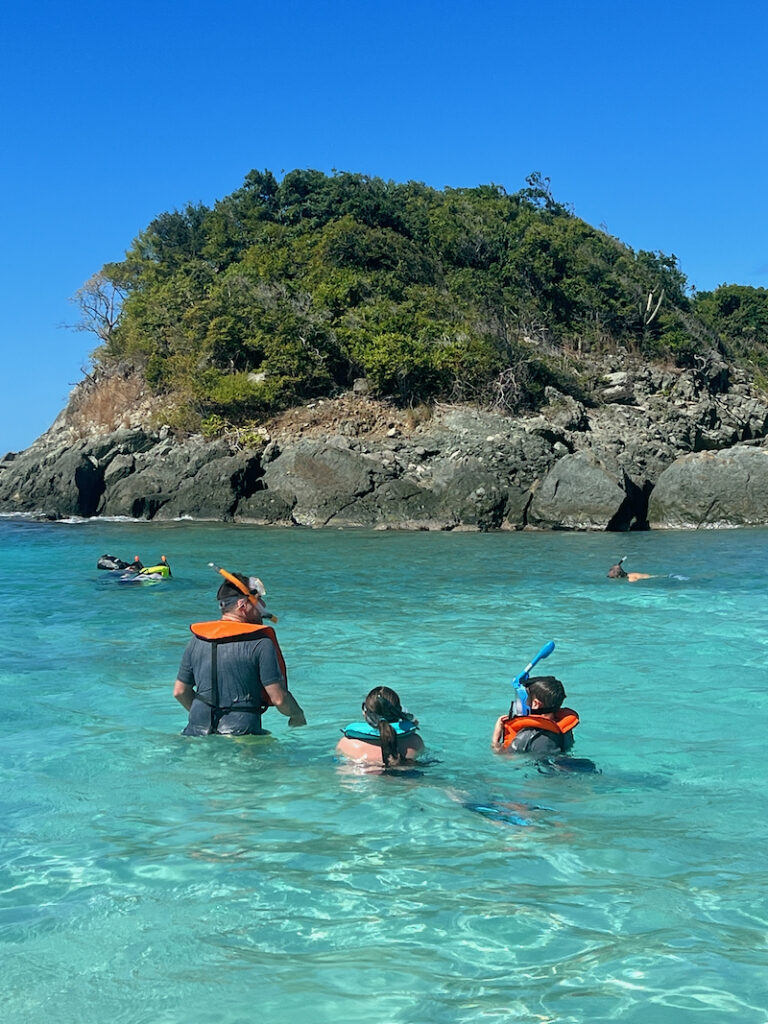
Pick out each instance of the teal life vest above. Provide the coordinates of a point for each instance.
(367, 733)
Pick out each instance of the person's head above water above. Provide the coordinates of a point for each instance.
(616, 572)
(382, 703)
(545, 695)
(240, 597)
(381, 709)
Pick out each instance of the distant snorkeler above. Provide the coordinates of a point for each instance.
(112, 562)
(616, 572)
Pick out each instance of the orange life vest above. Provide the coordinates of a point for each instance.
(224, 631)
(565, 721)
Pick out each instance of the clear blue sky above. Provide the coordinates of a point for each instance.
(648, 117)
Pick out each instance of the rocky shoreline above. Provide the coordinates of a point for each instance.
(651, 448)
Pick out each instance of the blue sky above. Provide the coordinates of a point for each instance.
(649, 118)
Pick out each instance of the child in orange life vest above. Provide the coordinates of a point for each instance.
(546, 730)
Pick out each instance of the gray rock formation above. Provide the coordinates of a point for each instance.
(713, 489)
(687, 440)
(319, 479)
(580, 493)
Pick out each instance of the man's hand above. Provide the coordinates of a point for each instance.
(286, 704)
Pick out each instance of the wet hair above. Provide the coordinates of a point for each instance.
(381, 708)
(546, 689)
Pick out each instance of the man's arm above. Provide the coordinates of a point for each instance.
(286, 703)
(184, 694)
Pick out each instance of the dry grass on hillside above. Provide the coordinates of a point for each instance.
(103, 404)
(108, 401)
(349, 415)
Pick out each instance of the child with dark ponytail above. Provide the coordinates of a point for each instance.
(387, 734)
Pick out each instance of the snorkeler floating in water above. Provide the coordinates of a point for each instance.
(111, 562)
(161, 571)
(616, 572)
(135, 571)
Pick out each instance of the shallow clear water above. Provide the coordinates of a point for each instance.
(149, 877)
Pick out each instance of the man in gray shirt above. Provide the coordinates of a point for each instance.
(232, 669)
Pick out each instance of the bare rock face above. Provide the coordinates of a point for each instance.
(60, 477)
(712, 489)
(455, 495)
(320, 478)
(579, 493)
(64, 483)
(264, 508)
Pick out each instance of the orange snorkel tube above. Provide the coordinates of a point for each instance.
(235, 582)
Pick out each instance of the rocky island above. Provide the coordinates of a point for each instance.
(347, 352)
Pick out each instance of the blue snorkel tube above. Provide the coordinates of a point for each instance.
(521, 694)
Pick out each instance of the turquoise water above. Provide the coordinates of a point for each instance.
(149, 877)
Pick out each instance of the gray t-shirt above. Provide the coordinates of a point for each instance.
(242, 668)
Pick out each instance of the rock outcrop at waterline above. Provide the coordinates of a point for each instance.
(668, 448)
(723, 488)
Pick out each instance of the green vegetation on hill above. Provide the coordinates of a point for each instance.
(287, 290)
(738, 316)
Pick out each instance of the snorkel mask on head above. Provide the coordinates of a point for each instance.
(258, 593)
(254, 590)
